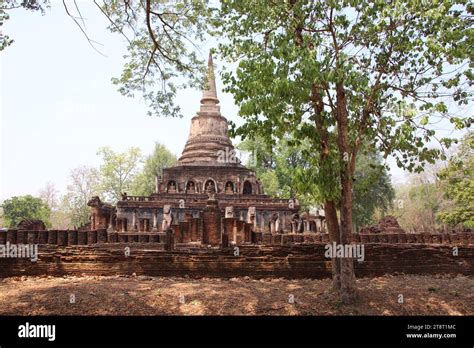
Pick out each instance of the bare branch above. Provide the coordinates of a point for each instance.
(80, 14)
(112, 22)
(83, 31)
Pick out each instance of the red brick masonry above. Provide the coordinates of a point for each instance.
(291, 256)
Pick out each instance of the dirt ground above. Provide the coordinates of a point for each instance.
(142, 295)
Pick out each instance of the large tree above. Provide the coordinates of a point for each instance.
(18, 208)
(457, 181)
(281, 169)
(373, 191)
(342, 75)
(61, 215)
(163, 39)
(284, 171)
(50, 195)
(84, 184)
(145, 181)
(118, 171)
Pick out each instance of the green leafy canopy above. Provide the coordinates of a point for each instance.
(457, 180)
(25, 207)
(163, 38)
(399, 62)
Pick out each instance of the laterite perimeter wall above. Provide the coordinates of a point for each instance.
(181, 234)
(292, 261)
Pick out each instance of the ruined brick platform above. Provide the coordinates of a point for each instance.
(184, 233)
(292, 261)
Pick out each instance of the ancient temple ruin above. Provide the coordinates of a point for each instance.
(209, 217)
(209, 197)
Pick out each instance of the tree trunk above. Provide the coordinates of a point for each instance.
(334, 236)
(348, 281)
(349, 293)
(329, 205)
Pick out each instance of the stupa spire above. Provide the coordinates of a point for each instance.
(209, 99)
(208, 137)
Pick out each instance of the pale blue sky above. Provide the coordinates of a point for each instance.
(58, 105)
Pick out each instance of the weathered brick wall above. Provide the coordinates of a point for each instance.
(192, 231)
(212, 224)
(285, 255)
(296, 261)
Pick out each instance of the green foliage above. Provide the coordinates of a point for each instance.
(341, 76)
(118, 171)
(284, 173)
(457, 181)
(440, 197)
(384, 55)
(8, 5)
(161, 53)
(282, 169)
(373, 190)
(144, 182)
(22, 207)
(162, 36)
